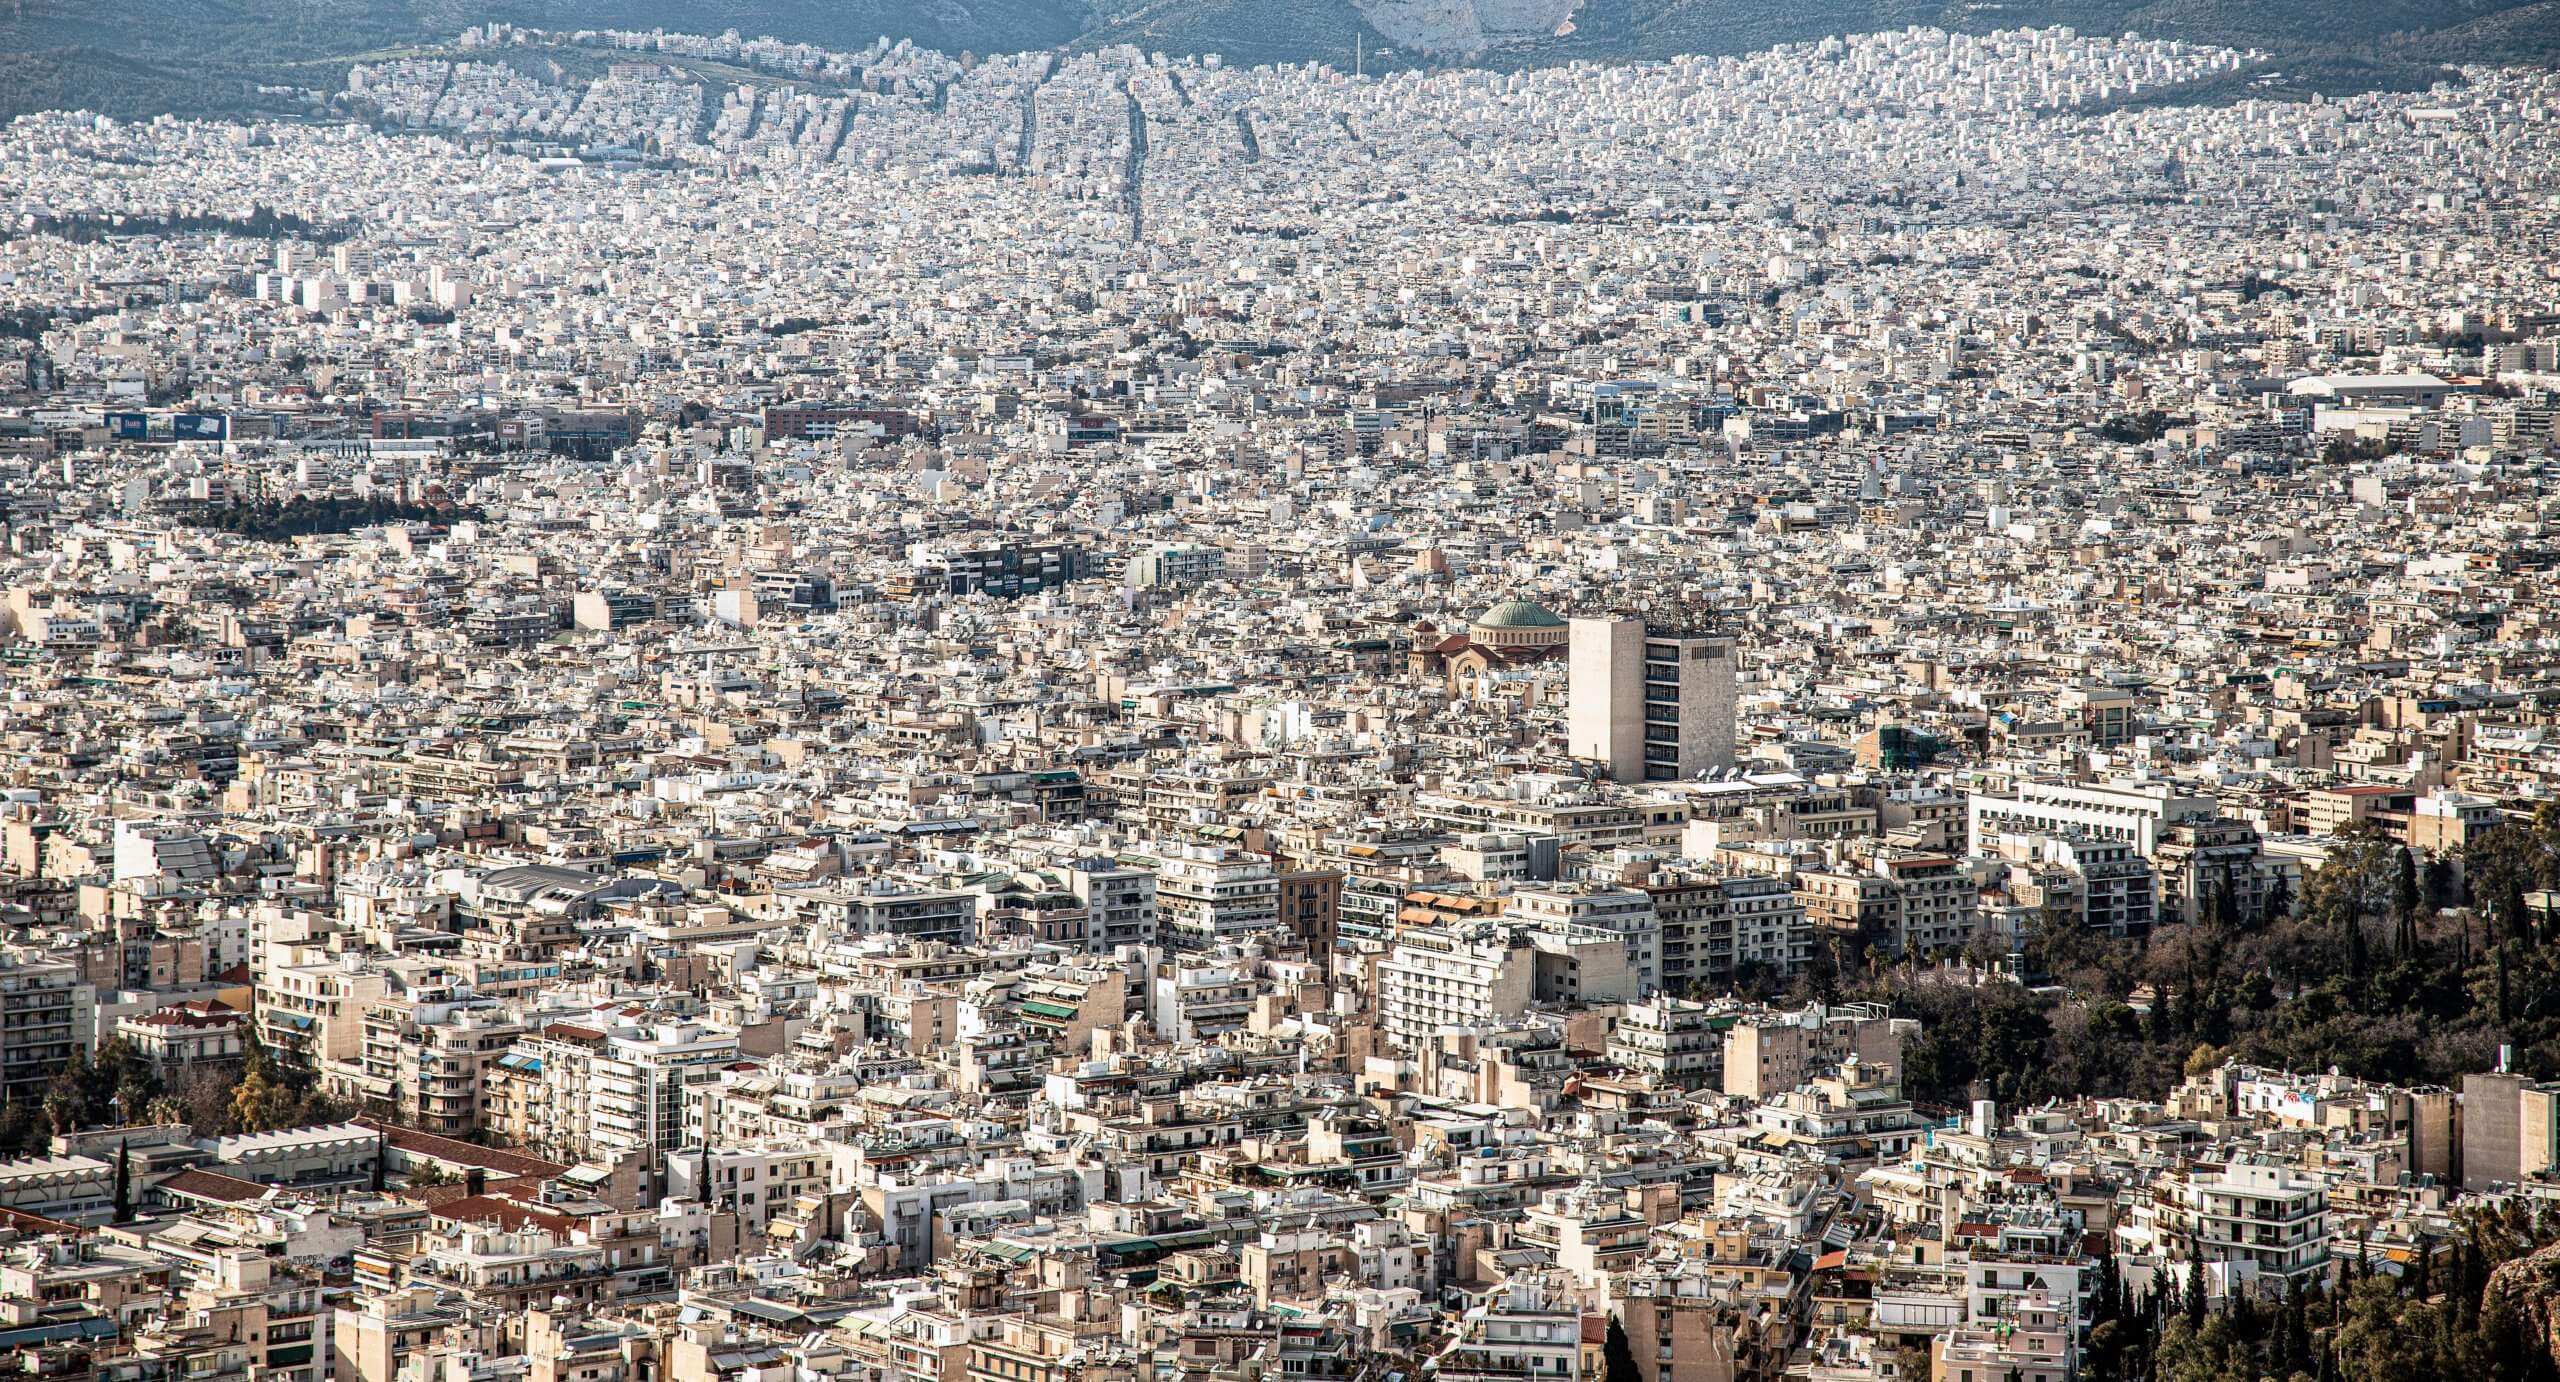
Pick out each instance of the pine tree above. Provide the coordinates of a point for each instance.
(252, 1100)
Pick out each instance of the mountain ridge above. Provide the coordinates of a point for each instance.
(215, 57)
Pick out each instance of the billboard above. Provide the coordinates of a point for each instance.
(129, 426)
(200, 427)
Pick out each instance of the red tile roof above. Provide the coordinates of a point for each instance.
(460, 1153)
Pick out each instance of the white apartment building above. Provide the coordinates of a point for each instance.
(1189, 999)
(638, 1080)
(2257, 1220)
(1528, 1330)
(878, 907)
(579, 1089)
(1208, 894)
(2133, 812)
(1677, 1043)
(1625, 911)
(1437, 978)
(1119, 902)
(755, 1183)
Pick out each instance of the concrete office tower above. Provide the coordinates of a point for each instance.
(1649, 704)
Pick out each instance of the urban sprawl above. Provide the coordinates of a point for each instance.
(695, 710)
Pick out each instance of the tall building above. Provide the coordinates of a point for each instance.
(45, 1011)
(1649, 704)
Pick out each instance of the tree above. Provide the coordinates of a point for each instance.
(2195, 1284)
(381, 1160)
(1618, 1356)
(66, 1098)
(2405, 898)
(21, 1124)
(2279, 901)
(2293, 1340)
(124, 1182)
(253, 1102)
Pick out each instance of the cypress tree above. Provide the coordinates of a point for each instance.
(2294, 1340)
(2195, 1284)
(2405, 898)
(1618, 1356)
(124, 1181)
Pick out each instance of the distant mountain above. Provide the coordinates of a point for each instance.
(270, 30)
(142, 57)
(2524, 34)
(137, 58)
(1535, 32)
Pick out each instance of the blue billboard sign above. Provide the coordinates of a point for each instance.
(200, 427)
(129, 426)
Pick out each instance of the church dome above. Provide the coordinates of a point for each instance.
(1518, 626)
(1519, 614)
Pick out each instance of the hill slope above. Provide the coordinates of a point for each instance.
(142, 57)
(137, 58)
